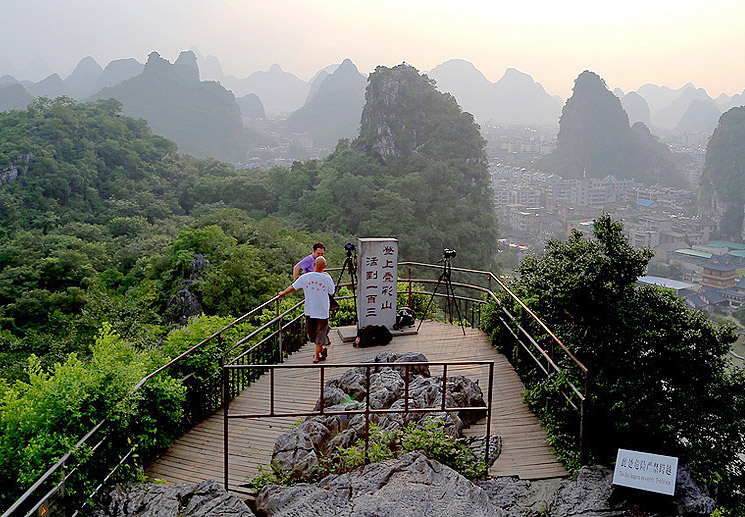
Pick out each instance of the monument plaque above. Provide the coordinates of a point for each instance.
(377, 280)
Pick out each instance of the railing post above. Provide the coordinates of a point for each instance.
(444, 384)
(367, 416)
(224, 392)
(488, 416)
(63, 488)
(279, 332)
(583, 452)
(410, 305)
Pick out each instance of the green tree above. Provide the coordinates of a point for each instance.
(659, 379)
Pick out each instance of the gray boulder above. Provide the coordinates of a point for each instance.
(203, 499)
(299, 450)
(690, 498)
(587, 494)
(412, 485)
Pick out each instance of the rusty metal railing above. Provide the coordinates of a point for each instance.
(367, 411)
(546, 359)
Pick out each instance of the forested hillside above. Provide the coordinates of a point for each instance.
(595, 139)
(417, 172)
(723, 180)
(100, 220)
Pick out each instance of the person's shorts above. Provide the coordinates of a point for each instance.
(317, 331)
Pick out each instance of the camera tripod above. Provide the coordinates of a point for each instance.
(350, 265)
(449, 293)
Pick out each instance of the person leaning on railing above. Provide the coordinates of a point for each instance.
(317, 286)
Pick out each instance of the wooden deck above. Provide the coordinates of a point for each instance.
(198, 454)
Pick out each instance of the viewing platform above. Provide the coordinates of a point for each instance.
(198, 454)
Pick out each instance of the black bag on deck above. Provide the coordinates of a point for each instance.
(404, 318)
(373, 335)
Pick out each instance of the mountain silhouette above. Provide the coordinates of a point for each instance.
(636, 108)
(725, 102)
(722, 184)
(83, 80)
(658, 97)
(669, 116)
(14, 96)
(251, 106)
(701, 117)
(53, 86)
(334, 111)
(595, 139)
(203, 118)
(117, 71)
(515, 99)
(279, 91)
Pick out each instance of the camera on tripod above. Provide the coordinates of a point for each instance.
(447, 253)
(349, 247)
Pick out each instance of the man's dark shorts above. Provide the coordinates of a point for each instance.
(317, 331)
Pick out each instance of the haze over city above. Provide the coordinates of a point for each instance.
(664, 42)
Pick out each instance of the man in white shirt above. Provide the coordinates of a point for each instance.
(317, 286)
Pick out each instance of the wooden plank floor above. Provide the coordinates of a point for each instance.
(198, 454)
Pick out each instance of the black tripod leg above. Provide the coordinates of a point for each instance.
(451, 293)
(432, 297)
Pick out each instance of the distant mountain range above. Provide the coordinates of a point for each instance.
(595, 139)
(515, 99)
(328, 106)
(334, 110)
(202, 117)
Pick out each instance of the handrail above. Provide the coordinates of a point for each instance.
(367, 411)
(515, 298)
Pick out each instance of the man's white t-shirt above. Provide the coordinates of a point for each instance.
(316, 287)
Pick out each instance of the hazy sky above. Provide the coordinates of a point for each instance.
(628, 42)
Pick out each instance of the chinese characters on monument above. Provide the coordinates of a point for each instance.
(378, 274)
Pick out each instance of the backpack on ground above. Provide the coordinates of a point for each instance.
(404, 318)
(373, 335)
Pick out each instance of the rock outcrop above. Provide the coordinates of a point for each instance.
(185, 304)
(404, 114)
(299, 451)
(595, 139)
(205, 499)
(411, 485)
(722, 183)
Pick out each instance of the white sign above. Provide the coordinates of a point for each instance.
(378, 277)
(651, 472)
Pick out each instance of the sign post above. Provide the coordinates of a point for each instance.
(378, 281)
(650, 472)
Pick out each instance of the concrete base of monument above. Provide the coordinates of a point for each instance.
(349, 333)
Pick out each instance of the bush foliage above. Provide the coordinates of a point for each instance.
(659, 380)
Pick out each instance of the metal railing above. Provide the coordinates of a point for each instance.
(266, 344)
(546, 358)
(274, 340)
(367, 411)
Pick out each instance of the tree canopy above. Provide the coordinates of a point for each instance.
(659, 377)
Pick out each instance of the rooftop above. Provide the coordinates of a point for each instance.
(726, 244)
(668, 283)
(694, 253)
